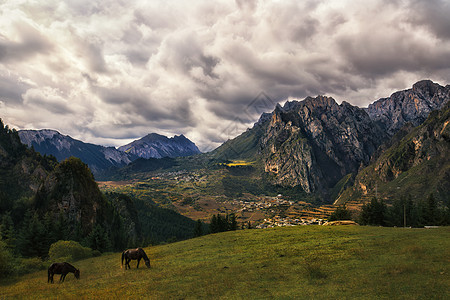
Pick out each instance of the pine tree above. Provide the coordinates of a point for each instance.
(214, 226)
(98, 239)
(7, 234)
(32, 239)
(198, 230)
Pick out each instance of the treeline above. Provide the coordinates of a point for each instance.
(402, 212)
(221, 223)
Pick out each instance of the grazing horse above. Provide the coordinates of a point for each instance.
(62, 268)
(138, 254)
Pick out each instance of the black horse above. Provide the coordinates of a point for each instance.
(138, 254)
(62, 268)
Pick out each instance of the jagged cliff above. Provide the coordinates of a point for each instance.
(314, 142)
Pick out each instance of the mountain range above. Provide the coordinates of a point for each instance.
(158, 146)
(321, 145)
(100, 158)
(314, 144)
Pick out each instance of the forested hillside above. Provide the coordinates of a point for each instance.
(43, 201)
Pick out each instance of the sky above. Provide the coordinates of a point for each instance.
(109, 72)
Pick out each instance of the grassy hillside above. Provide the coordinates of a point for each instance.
(298, 262)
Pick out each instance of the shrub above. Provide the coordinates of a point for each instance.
(28, 265)
(68, 251)
(6, 261)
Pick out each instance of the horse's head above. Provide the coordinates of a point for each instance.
(77, 274)
(147, 263)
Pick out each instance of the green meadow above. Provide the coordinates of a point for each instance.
(309, 262)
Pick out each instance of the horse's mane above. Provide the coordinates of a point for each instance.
(144, 255)
(69, 265)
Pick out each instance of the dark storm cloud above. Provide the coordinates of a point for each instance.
(432, 14)
(29, 43)
(12, 88)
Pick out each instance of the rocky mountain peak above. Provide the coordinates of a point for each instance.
(412, 105)
(155, 145)
(316, 141)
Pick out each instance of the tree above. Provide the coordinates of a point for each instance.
(98, 239)
(373, 213)
(341, 213)
(6, 260)
(431, 213)
(198, 230)
(7, 232)
(32, 238)
(213, 225)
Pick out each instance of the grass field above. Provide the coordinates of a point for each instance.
(309, 262)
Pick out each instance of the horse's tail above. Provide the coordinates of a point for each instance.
(123, 256)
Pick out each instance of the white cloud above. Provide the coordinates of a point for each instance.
(111, 71)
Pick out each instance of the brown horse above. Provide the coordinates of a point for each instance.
(138, 254)
(62, 268)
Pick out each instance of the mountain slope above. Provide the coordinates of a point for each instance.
(51, 142)
(417, 164)
(22, 170)
(158, 146)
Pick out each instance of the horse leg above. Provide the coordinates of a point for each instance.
(139, 260)
(63, 277)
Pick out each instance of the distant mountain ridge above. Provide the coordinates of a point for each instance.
(155, 145)
(100, 158)
(51, 142)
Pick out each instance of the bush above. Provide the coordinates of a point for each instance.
(68, 251)
(6, 261)
(28, 265)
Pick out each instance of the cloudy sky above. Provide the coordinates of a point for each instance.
(109, 72)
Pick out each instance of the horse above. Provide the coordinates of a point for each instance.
(138, 254)
(62, 268)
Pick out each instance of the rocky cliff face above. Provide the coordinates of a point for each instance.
(416, 164)
(158, 146)
(70, 189)
(314, 142)
(51, 142)
(412, 105)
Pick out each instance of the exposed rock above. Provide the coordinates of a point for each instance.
(412, 105)
(314, 142)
